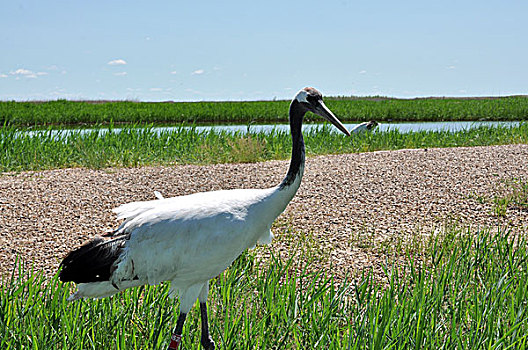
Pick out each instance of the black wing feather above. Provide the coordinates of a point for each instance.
(93, 261)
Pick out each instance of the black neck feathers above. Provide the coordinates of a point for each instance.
(298, 157)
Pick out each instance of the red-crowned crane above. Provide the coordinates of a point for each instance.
(188, 240)
(363, 127)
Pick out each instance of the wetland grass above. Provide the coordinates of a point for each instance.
(465, 289)
(136, 146)
(63, 112)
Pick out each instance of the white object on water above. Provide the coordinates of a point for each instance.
(363, 127)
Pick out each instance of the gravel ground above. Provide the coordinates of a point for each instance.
(346, 207)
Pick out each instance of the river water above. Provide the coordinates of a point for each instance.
(402, 127)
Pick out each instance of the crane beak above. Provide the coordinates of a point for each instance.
(324, 112)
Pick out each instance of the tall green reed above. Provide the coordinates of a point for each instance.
(468, 290)
(62, 112)
(135, 146)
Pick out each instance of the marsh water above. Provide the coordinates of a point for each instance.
(256, 128)
(402, 127)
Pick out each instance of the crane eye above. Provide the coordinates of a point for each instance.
(312, 99)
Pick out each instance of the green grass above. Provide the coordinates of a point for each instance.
(63, 112)
(516, 198)
(513, 195)
(464, 290)
(136, 146)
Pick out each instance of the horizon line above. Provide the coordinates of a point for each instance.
(330, 97)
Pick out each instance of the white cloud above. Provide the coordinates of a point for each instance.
(21, 71)
(174, 72)
(155, 89)
(451, 67)
(363, 72)
(120, 74)
(26, 73)
(198, 72)
(3, 75)
(118, 62)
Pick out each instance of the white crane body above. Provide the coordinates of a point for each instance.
(364, 127)
(188, 240)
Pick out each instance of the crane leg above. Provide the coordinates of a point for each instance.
(176, 335)
(207, 341)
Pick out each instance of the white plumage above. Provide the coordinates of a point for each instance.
(188, 240)
(364, 127)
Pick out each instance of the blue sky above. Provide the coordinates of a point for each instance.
(243, 50)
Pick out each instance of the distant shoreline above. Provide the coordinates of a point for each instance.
(357, 109)
(338, 97)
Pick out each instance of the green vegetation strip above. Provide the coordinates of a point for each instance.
(64, 112)
(136, 146)
(466, 291)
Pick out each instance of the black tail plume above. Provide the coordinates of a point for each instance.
(92, 262)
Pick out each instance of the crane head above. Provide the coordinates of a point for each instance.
(312, 100)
